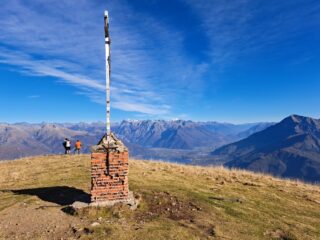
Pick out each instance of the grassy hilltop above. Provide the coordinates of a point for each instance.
(178, 202)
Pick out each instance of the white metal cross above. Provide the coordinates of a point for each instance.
(108, 70)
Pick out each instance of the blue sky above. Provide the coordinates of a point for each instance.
(229, 60)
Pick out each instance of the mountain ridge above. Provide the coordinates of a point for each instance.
(23, 139)
(290, 148)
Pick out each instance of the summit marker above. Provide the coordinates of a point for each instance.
(110, 158)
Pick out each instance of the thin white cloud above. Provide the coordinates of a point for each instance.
(142, 108)
(68, 45)
(34, 96)
(151, 66)
(244, 27)
(46, 68)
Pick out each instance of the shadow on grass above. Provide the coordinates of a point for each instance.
(62, 195)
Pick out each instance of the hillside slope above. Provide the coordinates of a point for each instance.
(178, 202)
(289, 149)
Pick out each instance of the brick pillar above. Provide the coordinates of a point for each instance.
(109, 172)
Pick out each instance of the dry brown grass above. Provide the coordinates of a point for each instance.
(178, 202)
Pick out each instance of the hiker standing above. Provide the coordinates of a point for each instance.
(77, 147)
(67, 146)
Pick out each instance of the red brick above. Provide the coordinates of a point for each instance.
(109, 176)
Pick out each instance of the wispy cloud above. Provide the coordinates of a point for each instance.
(143, 108)
(34, 96)
(154, 71)
(68, 46)
(48, 68)
(238, 29)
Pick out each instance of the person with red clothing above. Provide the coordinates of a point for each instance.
(77, 146)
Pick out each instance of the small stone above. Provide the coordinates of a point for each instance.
(79, 205)
(94, 224)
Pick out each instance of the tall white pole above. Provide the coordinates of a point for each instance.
(107, 47)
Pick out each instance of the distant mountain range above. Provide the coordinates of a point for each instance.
(183, 134)
(289, 149)
(168, 140)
